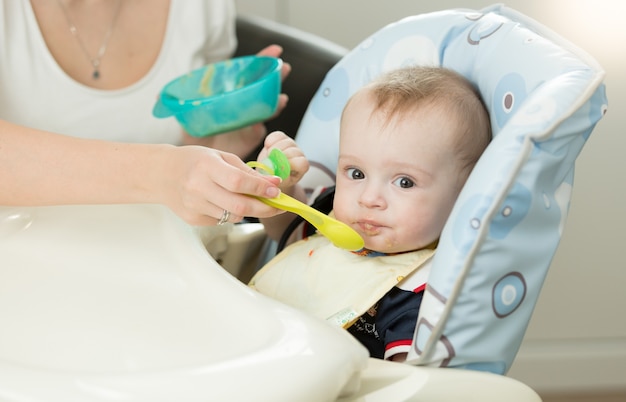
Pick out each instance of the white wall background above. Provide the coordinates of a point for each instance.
(577, 337)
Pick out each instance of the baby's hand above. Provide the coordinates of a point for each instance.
(297, 161)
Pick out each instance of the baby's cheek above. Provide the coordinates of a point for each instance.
(419, 236)
(339, 212)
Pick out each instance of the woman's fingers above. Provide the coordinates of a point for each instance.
(212, 182)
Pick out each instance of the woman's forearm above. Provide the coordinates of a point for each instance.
(197, 183)
(40, 168)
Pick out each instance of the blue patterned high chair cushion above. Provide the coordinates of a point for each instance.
(544, 97)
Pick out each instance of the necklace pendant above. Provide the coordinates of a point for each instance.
(95, 61)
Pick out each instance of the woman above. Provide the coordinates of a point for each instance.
(78, 80)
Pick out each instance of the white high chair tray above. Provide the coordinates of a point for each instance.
(123, 302)
(109, 303)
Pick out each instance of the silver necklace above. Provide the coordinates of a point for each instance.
(95, 61)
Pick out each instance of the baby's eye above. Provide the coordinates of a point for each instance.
(404, 182)
(355, 174)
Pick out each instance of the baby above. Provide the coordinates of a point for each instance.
(408, 142)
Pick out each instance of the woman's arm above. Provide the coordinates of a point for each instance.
(197, 183)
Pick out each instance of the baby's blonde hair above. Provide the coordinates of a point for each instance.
(400, 91)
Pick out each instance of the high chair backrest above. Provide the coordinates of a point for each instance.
(544, 97)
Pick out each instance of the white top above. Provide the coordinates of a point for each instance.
(36, 92)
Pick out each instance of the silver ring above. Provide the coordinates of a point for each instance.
(224, 218)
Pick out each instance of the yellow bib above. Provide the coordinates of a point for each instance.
(331, 283)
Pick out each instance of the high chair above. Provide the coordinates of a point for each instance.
(124, 303)
(544, 96)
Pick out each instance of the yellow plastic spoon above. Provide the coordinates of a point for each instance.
(340, 234)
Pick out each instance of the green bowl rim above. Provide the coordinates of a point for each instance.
(172, 100)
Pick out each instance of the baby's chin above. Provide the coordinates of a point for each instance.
(386, 247)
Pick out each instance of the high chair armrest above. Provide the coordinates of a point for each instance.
(245, 245)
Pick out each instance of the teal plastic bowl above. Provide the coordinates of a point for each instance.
(223, 96)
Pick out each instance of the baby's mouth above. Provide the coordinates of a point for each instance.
(369, 228)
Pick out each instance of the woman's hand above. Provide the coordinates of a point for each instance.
(245, 140)
(276, 51)
(200, 183)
